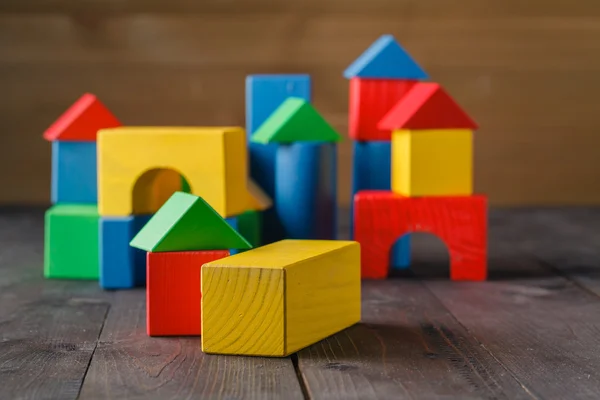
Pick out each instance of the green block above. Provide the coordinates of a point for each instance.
(295, 121)
(187, 223)
(71, 242)
(249, 226)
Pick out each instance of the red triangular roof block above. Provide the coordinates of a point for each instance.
(427, 106)
(82, 121)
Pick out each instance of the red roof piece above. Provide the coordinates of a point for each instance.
(82, 121)
(427, 106)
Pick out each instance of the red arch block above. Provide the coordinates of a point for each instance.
(381, 217)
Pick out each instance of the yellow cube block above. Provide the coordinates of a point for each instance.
(436, 162)
(277, 299)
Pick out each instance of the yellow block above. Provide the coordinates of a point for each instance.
(432, 162)
(132, 162)
(277, 299)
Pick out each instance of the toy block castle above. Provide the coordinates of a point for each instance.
(379, 78)
(430, 183)
(71, 225)
(305, 169)
(185, 233)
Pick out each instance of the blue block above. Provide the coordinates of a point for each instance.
(264, 93)
(74, 177)
(385, 59)
(306, 190)
(371, 170)
(121, 266)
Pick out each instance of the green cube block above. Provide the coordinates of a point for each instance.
(249, 225)
(71, 242)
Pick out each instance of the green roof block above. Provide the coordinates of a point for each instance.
(295, 121)
(187, 223)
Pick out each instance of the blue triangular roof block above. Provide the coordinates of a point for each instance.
(385, 59)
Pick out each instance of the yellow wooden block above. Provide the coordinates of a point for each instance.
(277, 299)
(213, 161)
(258, 199)
(435, 162)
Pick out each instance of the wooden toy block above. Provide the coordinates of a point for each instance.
(248, 225)
(306, 190)
(385, 59)
(371, 167)
(74, 177)
(432, 162)
(121, 266)
(212, 161)
(264, 94)
(381, 217)
(71, 242)
(370, 101)
(187, 223)
(277, 299)
(427, 106)
(295, 120)
(153, 188)
(173, 291)
(82, 121)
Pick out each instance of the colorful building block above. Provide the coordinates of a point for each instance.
(305, 170)
(371, 167)
(371, 100)
(427, 106)
(71, 242)
(212, 160)
(264, 94)
(277, 299)
(121, 266)
(385, 59)
(249, 225)
(82, 121)
(173, 291)
(74, 177)
(381, 217)
(187, 223)
(432, 162)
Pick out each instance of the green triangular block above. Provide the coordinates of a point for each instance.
(187, 223)
(295, 121)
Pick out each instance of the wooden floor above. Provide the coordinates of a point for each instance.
(531, 332)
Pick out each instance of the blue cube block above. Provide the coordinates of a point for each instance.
(264, 93)
(121, 266)
(74, 176)
(371, 170)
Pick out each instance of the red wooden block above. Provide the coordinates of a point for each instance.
(427, 106)
(173, 291)
(381, 217)
(82, 121)
(370, 100)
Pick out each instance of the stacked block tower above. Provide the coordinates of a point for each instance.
(71, 226)
(379, 78)
(430, 180)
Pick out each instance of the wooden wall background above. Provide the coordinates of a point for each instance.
(528, 71)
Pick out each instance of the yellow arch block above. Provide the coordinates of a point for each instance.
(213, 160)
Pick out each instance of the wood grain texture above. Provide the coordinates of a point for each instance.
(408, 346)
(276, 299)
(382, 217)
(48, 329)
(130, 365)
(524, 71)
(542, 328)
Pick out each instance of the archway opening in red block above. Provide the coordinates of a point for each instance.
(154, 187)
(429, 257)
(382, 217)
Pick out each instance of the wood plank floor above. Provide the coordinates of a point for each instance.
(530, 332)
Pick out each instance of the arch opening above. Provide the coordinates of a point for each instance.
(429, 257)
(154, 187)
